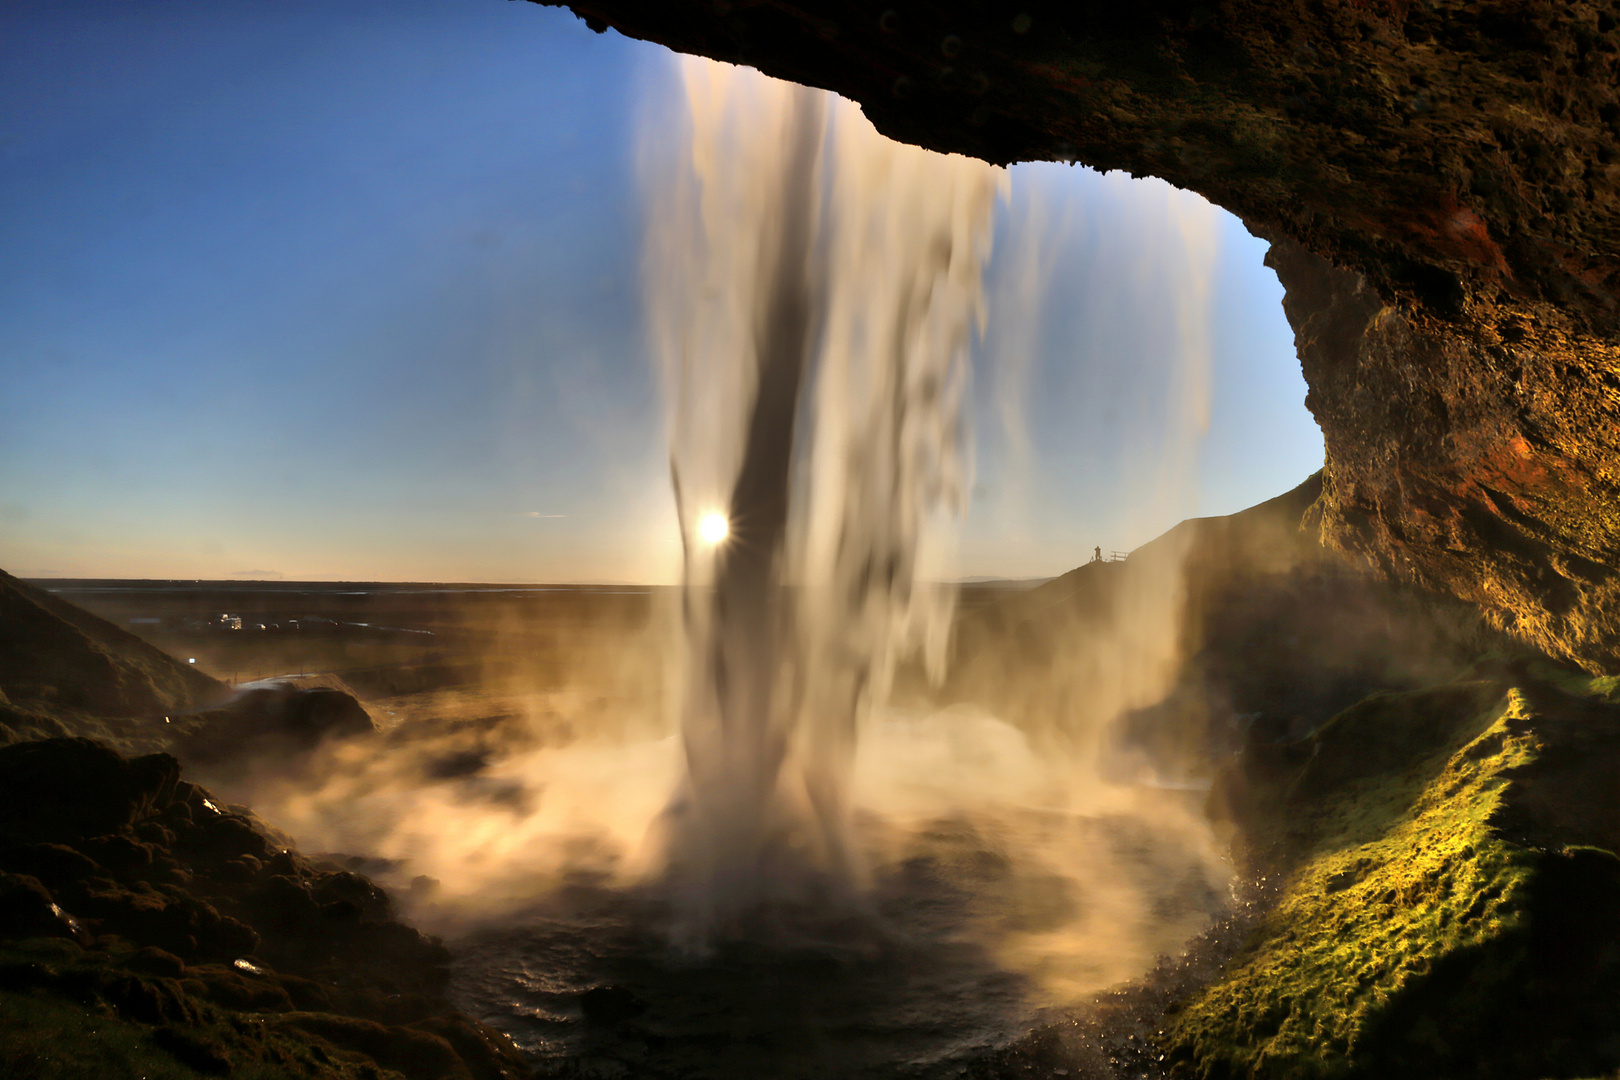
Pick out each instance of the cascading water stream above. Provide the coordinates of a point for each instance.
(814, 289)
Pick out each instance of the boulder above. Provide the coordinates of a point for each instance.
(272, 725)
(198, 921)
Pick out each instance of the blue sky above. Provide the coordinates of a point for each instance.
(350, 289)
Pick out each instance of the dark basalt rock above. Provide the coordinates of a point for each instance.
(1459, 162)
(26, 909)
(610, 1005)
(280, 725)
(74, 788)
(175, 911)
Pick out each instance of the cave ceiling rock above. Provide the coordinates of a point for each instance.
(1438, 179)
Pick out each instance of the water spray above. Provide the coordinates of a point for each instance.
(815, 289)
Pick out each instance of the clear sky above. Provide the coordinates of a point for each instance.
(350, 289)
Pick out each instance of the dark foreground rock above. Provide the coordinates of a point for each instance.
(146, 925)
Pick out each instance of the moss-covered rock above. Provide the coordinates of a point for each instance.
(1441, 914)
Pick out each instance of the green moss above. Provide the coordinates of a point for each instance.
(1406, 921)
(53, 1038)
(1605, 688)
(71, 1015)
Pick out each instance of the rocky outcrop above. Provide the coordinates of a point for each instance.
(199, 940)
(1455, 159)
(272, 725)
(1481, 467)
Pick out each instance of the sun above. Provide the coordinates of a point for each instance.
(713, 528)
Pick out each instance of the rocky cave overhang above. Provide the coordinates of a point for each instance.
(1438, 179)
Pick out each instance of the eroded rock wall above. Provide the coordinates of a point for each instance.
(1463, 460)
(1454, 159)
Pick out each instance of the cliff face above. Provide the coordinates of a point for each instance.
(1484, 469)
(1439, 180)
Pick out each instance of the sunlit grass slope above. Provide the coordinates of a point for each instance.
(1428, 926)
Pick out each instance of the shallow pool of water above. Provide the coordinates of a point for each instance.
(961, 947)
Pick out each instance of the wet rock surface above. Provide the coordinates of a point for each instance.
(277, 726)
(199, 933)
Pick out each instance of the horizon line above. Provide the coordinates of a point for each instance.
(979, 579)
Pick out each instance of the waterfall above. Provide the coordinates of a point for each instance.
(813, 292)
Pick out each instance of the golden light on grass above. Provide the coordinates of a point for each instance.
(713, 528)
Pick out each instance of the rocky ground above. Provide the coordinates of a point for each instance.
(148, 929)
(151, 929)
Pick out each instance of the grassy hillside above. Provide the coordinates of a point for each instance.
(1451, 899)
(64, 670)
(1222, 629)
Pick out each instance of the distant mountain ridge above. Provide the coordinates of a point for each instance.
(1265, 538)
(1219, 630)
